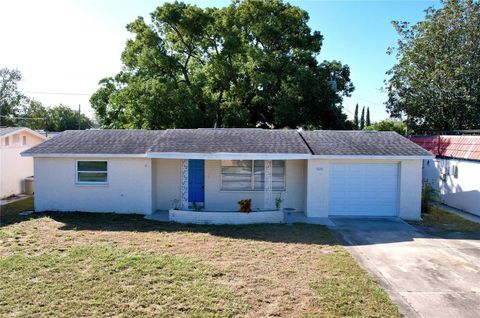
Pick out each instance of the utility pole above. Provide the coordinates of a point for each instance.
(79, 116)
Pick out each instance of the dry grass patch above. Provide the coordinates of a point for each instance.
(122, 265)
(442, 220)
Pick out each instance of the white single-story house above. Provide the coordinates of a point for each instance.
(455, 171)
(13, 167)
(320, 173)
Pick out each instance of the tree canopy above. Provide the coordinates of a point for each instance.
(250, 64)
(389, 125)
(56, 118)
(11, 98)
(16, 109)
(436, 81)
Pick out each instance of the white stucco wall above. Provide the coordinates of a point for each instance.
(129, 188)
(462, 192)
(166, 183)
(410, 200)
(13, 167)
(218, 200)
(318, 181)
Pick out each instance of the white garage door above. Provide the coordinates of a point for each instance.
(363, 189)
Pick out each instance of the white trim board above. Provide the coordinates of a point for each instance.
(81, 155)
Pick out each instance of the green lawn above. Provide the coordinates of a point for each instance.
(442, 220)
(99, 265)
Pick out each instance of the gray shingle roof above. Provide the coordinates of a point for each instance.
(8, 130)
(235, 140)
(363, 143)
(98, 142)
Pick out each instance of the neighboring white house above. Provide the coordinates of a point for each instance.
(455, 172)
(13, 167)
(321, 173)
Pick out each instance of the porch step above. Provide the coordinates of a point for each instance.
(161, 216)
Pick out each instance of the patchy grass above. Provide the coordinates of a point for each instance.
(442, 220)
(97, 281)
(95, 265)
(9, 212)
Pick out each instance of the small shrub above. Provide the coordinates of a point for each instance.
(429, 194)
(278, 201)
(245, 205)
(196, 207)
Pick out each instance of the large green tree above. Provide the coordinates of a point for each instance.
(252, 63)
(11, 99)
(435, 82)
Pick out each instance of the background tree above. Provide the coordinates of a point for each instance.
(367, 117)
(252, 63)
(61, 117)
(355, 117)
(33, 115)
(389, 125)
(11, 99)
(362, 119)
(17, 109)
(435, 82)
(57, 118)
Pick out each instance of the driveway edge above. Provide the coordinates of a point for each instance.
(403, 305)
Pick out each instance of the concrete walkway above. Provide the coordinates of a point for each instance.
(425, 276)
(463, 214)
(296, 217)
(14, 199)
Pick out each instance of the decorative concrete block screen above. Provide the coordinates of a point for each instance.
(194, 217)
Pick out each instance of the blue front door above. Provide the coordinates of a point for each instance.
(196, 181)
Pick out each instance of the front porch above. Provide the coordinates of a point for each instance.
(237, 218)
(237, 180)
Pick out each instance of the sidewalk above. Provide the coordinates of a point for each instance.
(14, 199)
(463, 214)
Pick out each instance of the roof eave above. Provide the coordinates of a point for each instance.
(81, 155)
(376, 157)
(30, 131)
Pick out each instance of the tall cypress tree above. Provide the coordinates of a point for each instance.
(367, 119)
(355, 118)
(362, 119)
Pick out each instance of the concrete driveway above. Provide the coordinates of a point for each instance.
(424, 275)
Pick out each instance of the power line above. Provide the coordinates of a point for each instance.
(57, 93)
(9, 117)
(368, 101)
(348, 110)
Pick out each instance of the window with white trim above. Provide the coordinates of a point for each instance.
(92, 172)
(7, 141)
(249, 175)
(24, 140)
(16, 139)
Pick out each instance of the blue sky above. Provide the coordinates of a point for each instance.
(66, 46)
